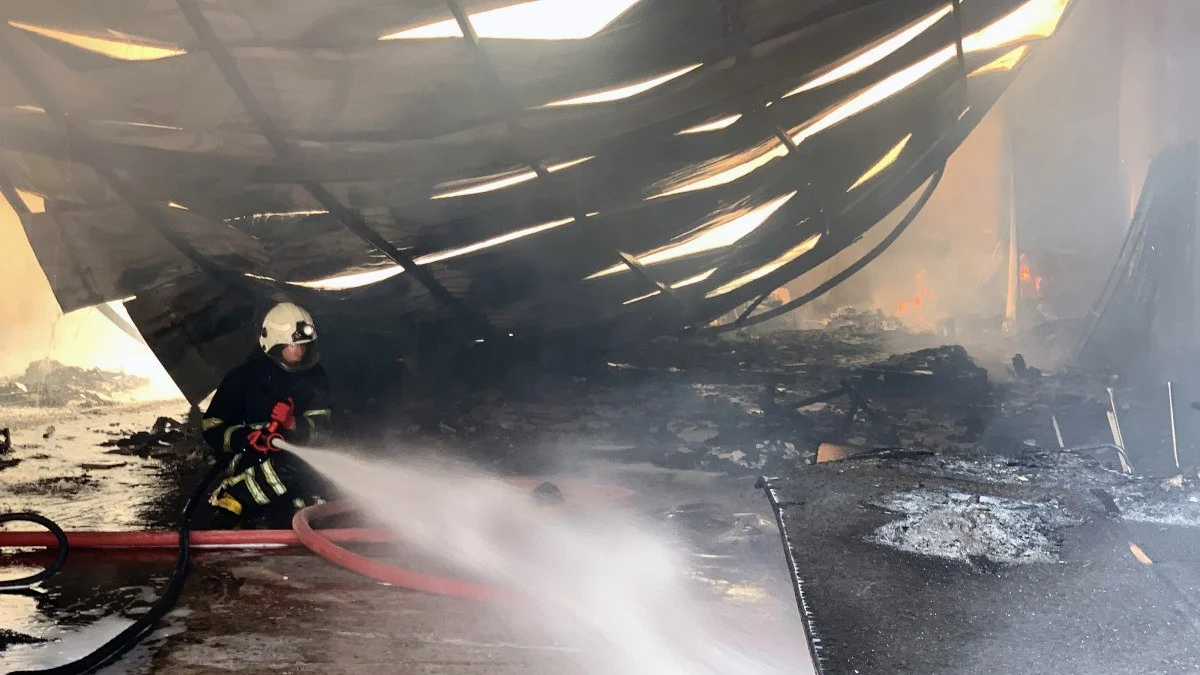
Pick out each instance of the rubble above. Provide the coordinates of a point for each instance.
(1147, 501)
(51, 384)
(748, 404)
(154, 444)
(941, 373)
(968, 527)
(12, 637)
(59, 485)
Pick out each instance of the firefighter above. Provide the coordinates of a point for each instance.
(281, 390)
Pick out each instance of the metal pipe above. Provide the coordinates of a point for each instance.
(1103, 446)
(1014, 264)
(1057, 431)
(1174, 436)
(1114, 424)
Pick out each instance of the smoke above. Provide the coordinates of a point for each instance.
(605, 587)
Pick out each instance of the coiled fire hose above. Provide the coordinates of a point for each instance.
(60, 559)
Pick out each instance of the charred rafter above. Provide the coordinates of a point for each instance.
(352, 221)
(149, 213)
(509, 111)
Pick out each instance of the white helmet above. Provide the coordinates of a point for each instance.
(288, 324)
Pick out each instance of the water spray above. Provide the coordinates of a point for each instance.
(603, 582)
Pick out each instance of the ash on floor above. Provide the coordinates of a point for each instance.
(961, 526)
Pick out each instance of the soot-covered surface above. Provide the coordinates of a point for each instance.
(1028, 576)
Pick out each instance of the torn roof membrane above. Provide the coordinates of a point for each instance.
(389, 138)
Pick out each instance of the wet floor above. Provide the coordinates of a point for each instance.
(60, 467)
(291, 612)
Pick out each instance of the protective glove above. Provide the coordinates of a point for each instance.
(284, 413)
(262, 441)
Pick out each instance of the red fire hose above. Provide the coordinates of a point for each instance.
(166, 539)
(320, 544)
(580, 497)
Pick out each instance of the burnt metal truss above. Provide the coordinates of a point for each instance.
(746, 320)
(510, 110)
(741, 51)
(227, 66)
(148, 213)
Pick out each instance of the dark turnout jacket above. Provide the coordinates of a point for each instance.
(244, 400)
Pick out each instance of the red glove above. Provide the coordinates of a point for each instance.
(284, 413)
(263, 441)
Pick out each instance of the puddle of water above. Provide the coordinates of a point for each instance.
(63, 645)
(72, 479)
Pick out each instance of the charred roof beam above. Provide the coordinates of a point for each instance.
(762, 113)
(149, 213)
(509, 113)
(227, 66)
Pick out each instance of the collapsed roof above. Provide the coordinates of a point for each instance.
(544, 167)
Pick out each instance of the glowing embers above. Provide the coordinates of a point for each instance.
(723, 170)
(873, 55)
(790, 255)
(724, 231)
(1005, 63)
(539, 20)
(712, 125)
(1030, 283)
(678, 284)
(360, 279)
(884, 162)
(624, 91)
(474, 186)
(110, 43)
(919, 297)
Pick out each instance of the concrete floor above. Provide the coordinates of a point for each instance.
(290, 612)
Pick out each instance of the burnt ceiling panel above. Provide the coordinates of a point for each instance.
(510, 165)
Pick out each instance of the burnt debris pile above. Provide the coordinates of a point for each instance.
(51, 384)
(751, 404)
(163, 441)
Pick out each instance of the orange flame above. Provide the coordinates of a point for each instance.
(918, 299)
(1028, 278)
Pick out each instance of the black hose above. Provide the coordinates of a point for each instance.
(59, 560)
(112, 650)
